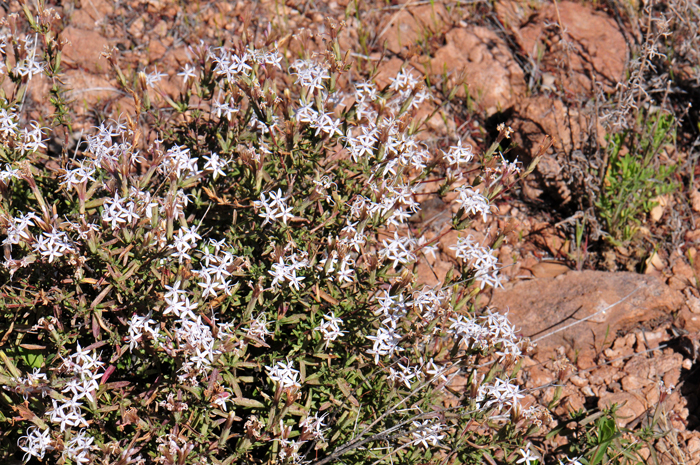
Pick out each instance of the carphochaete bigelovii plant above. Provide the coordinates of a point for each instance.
(227, 276)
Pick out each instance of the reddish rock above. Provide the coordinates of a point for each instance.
(683, 275)
(551, 311)
(692, 236)
(672, 377)
(650, 339)
(592, 45)
(668, 361)
(695, 200)
(688, 320)
(88, 89)
(479, 58)
(603, 375)
(92, 14)
(625, 342)
(631, 406)
(432, 274)
(409, 26)
(585, 360)
(632, 382)
(546, 115)
(692, 302)
(542, 115)
(622, 348)
(539, 376)
(644, 453)
(578, 381)
(575, 402)
(642, 368)
(514, 13)
(84, 49)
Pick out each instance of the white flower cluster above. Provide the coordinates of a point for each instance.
(178, 162)
(31, 65)
(399, 250)
(285, 271)
(427, 431)
(429, 302)
(275, 208)
(85, 366)
(311, 430)
(36, 443)
(78, 176)
(230, 64)
(392, 311)
(68, 413)
(468, 332)
(310, 75)
(472, 202)
(330, 328)
(404, 375)
(120, 212)
(312, 427)
(53, 244)
(406, 83)
(527, 456)
(216, 165)
(8, 122)
(481, 258)
(138, 326)
(8, 174)
(386, 341)
(284, 374)
(494, 331)
(321, 121)
(191, 336)
(503, 170)
(215, 269)
(502, 395)
(459, 155)
(28, 140)
(102, 149)
(184, 325)
(341, 269)
(226, 108)
(185, 240)
(258, 328)
(362, 146)
(34, 383)
(79, 447)
(396, 206)
(18, 229)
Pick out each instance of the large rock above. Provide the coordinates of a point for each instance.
(409, 26)
(479, 58)
(84, 49)
(591, 45)
(547, 309)
(89, 90)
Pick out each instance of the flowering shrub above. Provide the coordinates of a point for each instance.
(228, 277)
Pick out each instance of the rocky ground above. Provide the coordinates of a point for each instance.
(611, 324)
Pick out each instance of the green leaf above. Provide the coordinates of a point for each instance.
(250, 403)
